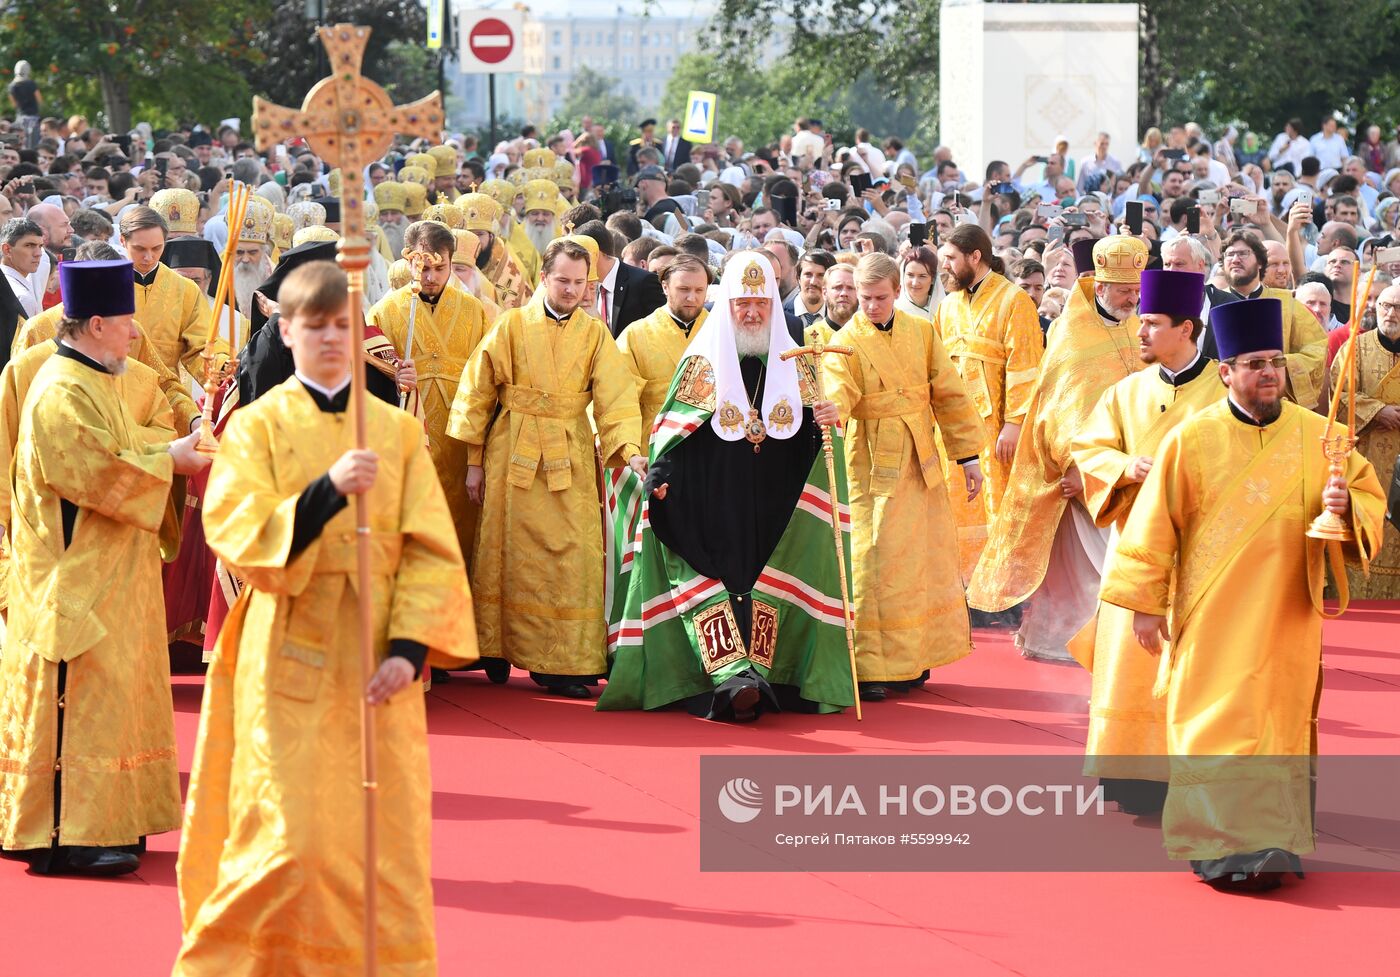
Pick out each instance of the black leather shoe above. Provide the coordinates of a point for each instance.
(98, 862)
(571, 690)
(497, 670)
(873, 692)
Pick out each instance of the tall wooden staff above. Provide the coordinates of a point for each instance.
(816, 351)
(349, 121)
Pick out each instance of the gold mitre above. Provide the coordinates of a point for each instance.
(308, 213)
(400, 273)
(445, 160)
(417, 201)
(479, 212)
(371, 213)
(468, 246)
(282, 230)
(589, 245)
(316, 232)
(502, 191)
(564, 174)
(391, 195)
(537, 158)
(541, 195)
(179, 207)
(449, 214)
(518, 177)
(333, 182)
(416, 174)
(257, 221)
(1119, 259)
(426, 161)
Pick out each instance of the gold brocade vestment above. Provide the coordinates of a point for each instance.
(271, 862)
(1084, 358)
(994, 339)
(507, 275)
(85, 661)
(1378, 386)
(444, 335)
(1127, 725)
(537, 575)
(1222, 516)
(653, 347)
(909, 608)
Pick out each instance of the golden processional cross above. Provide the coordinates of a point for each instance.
(350, 121)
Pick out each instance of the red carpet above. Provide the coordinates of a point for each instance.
(565, 841)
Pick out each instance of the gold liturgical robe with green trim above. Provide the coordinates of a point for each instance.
(1127, 736)
(994, 339)
(1216, 541)
(909, 608)
(1085, 357)
(1378, 386)
(653, 347)
(537, 575)
(271, 863)
(445, 334)
(85, 662)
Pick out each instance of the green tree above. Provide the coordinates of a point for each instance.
(167, 59)
(595, 94)
(294, 60)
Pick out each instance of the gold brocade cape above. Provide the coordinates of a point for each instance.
(1085, 356)
(507, 274)
(44, 327)
(175, 313)
(444, 335)
(85, 662)
(996, 343)
(1378, 386)
(1216, 541)
(525, 253)
(909, 609)
(1127, 735)
(271, 861)
(521, 408)
(653, 347)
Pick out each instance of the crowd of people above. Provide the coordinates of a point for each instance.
(623, 396)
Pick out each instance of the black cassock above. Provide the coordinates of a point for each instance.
(726, 508)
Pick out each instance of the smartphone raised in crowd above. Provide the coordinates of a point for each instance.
(1384, 256)
(1048, 211)
(1075, 219)
(918, 234)
(1132, 211)
(1193, 221)
(860, 182)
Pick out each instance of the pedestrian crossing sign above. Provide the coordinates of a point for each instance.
(700, 118)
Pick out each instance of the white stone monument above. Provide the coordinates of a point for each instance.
(1014, 76)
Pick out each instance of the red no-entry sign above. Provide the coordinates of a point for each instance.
(491, 40)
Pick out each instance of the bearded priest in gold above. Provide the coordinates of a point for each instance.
(497, 261)
(910, 613)
(271, 863)
(1043, 545)
(1215, 559)
(992, 334)
(448, 325)
(88, 765)
(510, 229)
(521, 410)
(1378, 431)
(1114, 452)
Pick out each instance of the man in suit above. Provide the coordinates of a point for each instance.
(647, 138)
(605, 148)
(625, 293)
(675, 151)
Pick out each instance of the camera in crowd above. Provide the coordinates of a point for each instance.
(612, 195)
